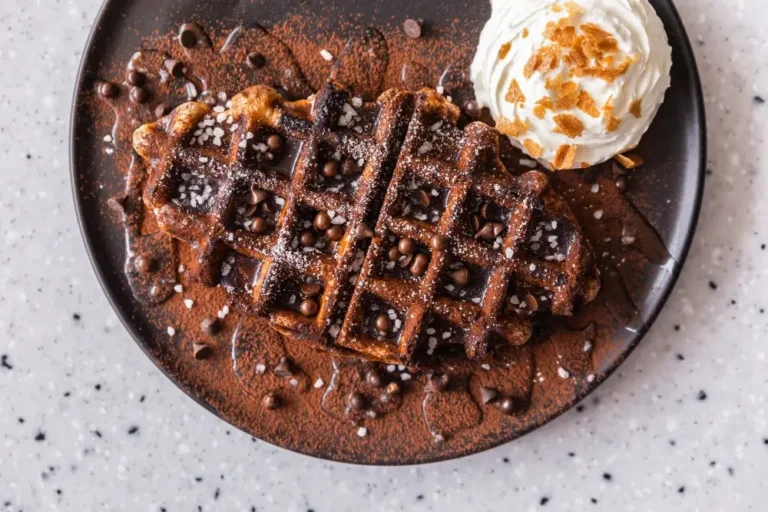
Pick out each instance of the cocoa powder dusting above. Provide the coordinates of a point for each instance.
(320, 403)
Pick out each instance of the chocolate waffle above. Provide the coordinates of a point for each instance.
(380, 230)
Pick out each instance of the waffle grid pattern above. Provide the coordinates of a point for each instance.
(392, 151)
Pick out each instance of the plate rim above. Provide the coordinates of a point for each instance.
(699, 112)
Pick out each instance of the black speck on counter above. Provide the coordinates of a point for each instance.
(579, 408)
(730, 471)
(198, 479)
(702, 395)
(672, 442)
(713, 285)
(593, 500)
(420, 497)
(21, 420)
(680, 357)
(571, 454)
(505, 460)
(765, 440)
(4, 362)
(76, 317)
(40, 437)
(217, 493)
(97, 434)
(67, 394)
(677, 327)
(759, 100)
(607, 476)
(133, 430)
(544, 500)
(97, 387)
(681, 490)
(142, 398)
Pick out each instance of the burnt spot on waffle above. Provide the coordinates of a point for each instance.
(340, 262)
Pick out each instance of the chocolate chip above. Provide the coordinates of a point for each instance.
(356, 401)
(475, 223)
(488, 395)
(210, 325)
(269, 205)
(486, 232)
(438, 242)
(268, 157)
(507, 406)
(310, 289)
(135, 78)
(498, 228)
(473, 109)
(118, 203)
(258, 225)
(420, 263)
(201, 351)
(350, 167)
(373, 378)
(383, 324)
(271, 401)
(284, 368)
(531, 302)
(440, 382)
(405, 261)
(174, 67)
(330, 168)
(621, 183)
(258, 195)
(363, 232)
(251, 211)
(308, 307)
(486, 210)
(336, 233)
(145, 264)
(187, 36)
(460, 276)
(412, 28)
(322, 221)
(108, 90)
(161, 110)
(423, 198)
(393, 254)
(405, 245)
(307, 239)
(255, 60)
(274, 142)
(139, 95)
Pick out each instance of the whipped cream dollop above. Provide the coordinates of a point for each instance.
(572, 83)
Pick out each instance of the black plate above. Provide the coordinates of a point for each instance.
(671, 181)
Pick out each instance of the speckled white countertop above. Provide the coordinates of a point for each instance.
(88, 423)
